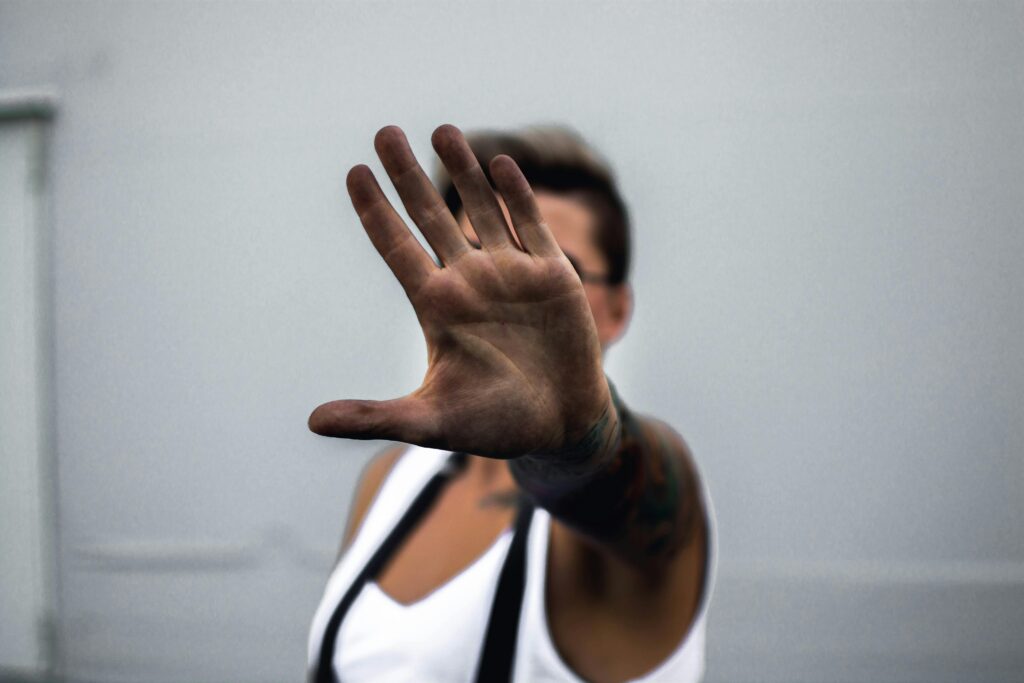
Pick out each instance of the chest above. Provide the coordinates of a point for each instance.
(601, 621)
(458, 530)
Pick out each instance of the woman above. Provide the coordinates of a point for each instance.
(575, 539)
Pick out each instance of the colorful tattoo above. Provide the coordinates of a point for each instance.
(629, 484)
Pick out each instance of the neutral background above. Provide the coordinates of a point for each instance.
(829, 246)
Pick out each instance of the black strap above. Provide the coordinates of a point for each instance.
(324, 671)
(499, 650)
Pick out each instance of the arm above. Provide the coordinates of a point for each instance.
(633, 489)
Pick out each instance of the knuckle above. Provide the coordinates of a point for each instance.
(433, 213)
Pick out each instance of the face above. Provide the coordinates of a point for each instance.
(572, 225)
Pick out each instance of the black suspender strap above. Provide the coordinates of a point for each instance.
(324, 671)
(498, 654)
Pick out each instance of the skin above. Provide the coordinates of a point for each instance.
(512, 334)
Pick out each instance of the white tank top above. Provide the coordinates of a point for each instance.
(438, 638)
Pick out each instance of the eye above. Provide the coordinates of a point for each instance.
(591, 278)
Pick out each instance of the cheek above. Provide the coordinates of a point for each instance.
(598, 306)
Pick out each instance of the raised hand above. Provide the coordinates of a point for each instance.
(514, 362)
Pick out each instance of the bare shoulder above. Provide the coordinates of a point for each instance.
(671, 440)
(370, 482)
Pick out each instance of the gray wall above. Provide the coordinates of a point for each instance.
(828, 273)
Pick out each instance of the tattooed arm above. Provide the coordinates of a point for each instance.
(629, 485)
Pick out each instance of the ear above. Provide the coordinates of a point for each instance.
(620, 312)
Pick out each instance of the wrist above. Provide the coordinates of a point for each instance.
(599, 442)
(581, 458)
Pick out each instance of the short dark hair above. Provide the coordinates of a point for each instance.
(558, 160)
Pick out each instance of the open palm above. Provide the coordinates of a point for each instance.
(514, 362)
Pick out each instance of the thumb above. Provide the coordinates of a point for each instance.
(405, 419)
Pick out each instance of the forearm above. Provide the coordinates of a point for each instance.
(628, 485)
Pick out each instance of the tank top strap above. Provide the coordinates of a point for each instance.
(406, 479)
(533, 618)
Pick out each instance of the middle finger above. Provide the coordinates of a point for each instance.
(425, 206)
(478, 200)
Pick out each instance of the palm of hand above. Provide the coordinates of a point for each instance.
(514, 363)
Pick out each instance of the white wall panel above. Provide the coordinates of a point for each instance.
(829, 247)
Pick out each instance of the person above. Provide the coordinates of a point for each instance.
(576, 541)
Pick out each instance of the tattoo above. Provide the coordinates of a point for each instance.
(634, 490)
(504, 499)
(574, 466)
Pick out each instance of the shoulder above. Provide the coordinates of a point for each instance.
(659, 436)
(660, 432)
(370, 482)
